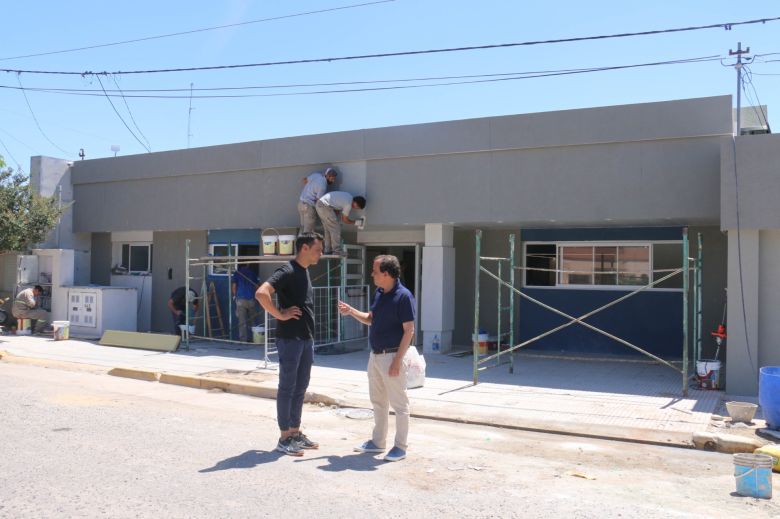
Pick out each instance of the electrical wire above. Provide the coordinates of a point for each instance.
(149, 146)
(29, 106)
(492, 79)
(193, 31)
(122, 119)
(10, 156)
(726, 26)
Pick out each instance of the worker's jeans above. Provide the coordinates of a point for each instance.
(331, 226)
(295, 359)
(246, 313)
(385, 392)
(308, 216)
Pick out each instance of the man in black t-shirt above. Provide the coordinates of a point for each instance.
(178, 303)
(294, 338)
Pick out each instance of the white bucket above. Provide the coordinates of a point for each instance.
(286, 242)
(23, 327)
(708, 373)
(258, 334)
(269, 244)
(61, 330)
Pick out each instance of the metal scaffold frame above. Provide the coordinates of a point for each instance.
(229, 262)
(480, 361)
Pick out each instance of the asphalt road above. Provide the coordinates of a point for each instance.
(84, 444)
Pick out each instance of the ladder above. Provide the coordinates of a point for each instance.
(212, 311)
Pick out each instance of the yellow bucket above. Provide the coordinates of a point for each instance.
(286, 242)
(269, 242)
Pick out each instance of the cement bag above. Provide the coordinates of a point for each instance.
(415, 374)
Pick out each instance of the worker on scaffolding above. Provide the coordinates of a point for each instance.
(314, 188)
(294, 338)
(177, 304)
(27, 306)
(328, 208)
(243, 286)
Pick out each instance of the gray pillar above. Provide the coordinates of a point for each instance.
(741, 363)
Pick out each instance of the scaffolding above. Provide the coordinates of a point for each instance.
(481, 361)
(342, 282)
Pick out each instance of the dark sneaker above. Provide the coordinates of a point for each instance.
(369, 446)
(395, 454)
(304, 442)
(289, 446)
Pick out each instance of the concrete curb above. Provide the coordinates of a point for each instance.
(726, 443)
(52, 363)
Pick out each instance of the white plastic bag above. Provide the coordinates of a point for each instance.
(415, 374)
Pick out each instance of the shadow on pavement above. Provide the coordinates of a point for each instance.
(357, 462)
(247, 460)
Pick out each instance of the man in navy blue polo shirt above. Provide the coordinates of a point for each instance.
(391, 321)
(294, 338)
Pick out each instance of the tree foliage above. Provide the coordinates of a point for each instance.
(25, 217)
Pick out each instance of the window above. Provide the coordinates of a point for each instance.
(601, 264)
(136, 259)
(220, 268)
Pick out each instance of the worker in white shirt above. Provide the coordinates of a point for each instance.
(315, 186)
(327, 208)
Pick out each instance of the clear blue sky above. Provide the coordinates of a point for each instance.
(72, 122)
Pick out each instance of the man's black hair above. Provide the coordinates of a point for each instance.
(307, 238)
(389, 264)
(360, 201)
(39, 288)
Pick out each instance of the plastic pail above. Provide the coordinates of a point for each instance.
(769, 395)
(708, 373)
(753, 474)
(269, 244)
(258, 334)
(482, 339)
(61, 330)
(286, 242)
(184, 328)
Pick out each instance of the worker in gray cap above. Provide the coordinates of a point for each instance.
(315, 186)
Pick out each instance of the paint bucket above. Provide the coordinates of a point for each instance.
(61, 330)
(769, 395)
(23, 327)
(258, 334)
(708, 373)
(286, 242)
(482, 343)
(753, 475)
(269, 242)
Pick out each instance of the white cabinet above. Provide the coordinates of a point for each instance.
(95, 309)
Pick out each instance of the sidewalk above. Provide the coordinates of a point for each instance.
(635, 401)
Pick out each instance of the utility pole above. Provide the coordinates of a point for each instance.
(738, 65)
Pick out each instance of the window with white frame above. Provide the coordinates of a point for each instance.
(221, 268)
(136, 258)
(602, 264)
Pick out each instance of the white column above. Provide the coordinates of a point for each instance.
(438, 287)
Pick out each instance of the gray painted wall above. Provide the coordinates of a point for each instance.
(758, 170)
(769, 298)
(100, 267)
(169, 253)
(653, 163)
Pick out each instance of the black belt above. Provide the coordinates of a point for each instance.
(385, 350)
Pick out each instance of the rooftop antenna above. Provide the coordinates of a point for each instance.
(189, 118)
(115, 149)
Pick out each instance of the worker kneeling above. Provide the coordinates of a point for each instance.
(27, 306)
